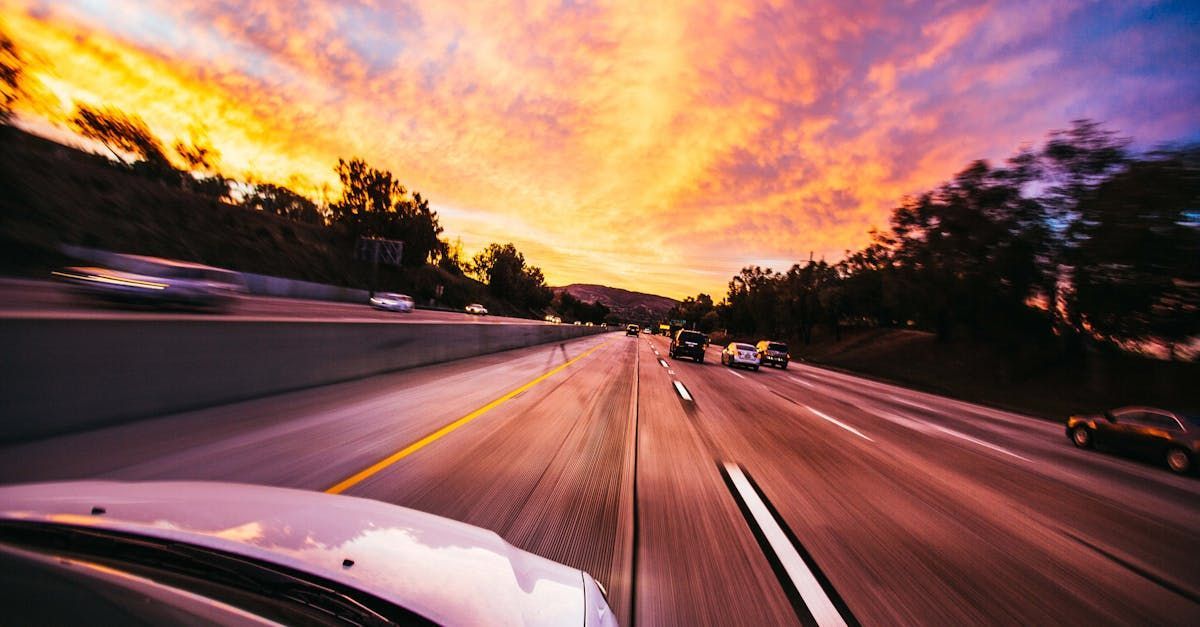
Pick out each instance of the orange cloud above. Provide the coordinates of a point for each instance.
(653, 146)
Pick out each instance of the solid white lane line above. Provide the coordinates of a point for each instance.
(683, 393)
(736, 373)
(806, 584)
(663, 362)
(802, 382)
(974, 440)
(910, 403)
(839, 423)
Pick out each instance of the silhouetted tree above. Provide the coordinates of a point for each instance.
(375, 204)
(284, 202)
(12, 67)
(120, 133)
(1136, 253)
(503, 269)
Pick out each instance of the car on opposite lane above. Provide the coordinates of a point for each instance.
(737, 355)
(773, 354)
(687, 343)
(476, 309)
(1168, 437)
(392, 301)
(632, 329)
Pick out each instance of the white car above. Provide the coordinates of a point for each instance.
(222, 553)
(477, 309)
(392, 301)
(738, 354)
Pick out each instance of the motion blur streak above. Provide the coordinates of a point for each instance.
(918, 527)
(373, 469)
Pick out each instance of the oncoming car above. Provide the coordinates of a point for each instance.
(152, 281)
(217, 553)
(391, 301)
(740, 355)
(1166, 437)
(476, 309)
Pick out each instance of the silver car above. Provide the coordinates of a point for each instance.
(391, 301)
(157, 282)
(740, 355)
(220, 553)
(476, 309)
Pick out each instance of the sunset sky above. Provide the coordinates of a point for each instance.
(654, 146)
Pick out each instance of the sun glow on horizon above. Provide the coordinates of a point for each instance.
(656, 148)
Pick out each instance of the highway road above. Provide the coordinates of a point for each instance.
(704, 495)
(25, 298)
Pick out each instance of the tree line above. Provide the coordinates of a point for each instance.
(372, 202)
(1077, 243)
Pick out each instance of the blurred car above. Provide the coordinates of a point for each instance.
(577, 323)
(1171, 438)
(391, 301)
(632, 329)
(738, 354)
(477, 309)
(648, 331)
(687, 344)
(773, 354)
(98, 552)
(552, 319)
(152, 281)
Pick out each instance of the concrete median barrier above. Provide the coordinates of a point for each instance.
(65, 375)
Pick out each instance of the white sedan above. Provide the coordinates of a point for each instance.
(223, 553)
(392, 301)
(476, 309)
(738, 354)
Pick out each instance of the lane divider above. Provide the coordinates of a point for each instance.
(374, 469)
(683, 391)
(839, 423)
(811, 594)
(802, 382)
(663, 362)
(735, 373)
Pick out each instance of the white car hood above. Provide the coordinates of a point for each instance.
(447, 571)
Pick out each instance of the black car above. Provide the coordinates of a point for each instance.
(773, 353)
(1164, 436)
(632, 329)
(688, 344)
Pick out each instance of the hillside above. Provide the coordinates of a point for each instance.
(55, 194)
(629, 305)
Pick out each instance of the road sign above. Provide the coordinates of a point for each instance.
(380, 250)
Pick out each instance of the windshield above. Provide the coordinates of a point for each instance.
(777, 347)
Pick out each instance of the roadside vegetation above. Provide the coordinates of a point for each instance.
(143, 196)
(1076, 262)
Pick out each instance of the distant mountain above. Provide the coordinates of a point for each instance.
(635, 306)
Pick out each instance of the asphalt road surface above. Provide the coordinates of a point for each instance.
(770, 497)
(21, 298)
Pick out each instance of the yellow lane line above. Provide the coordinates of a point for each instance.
(373, 469)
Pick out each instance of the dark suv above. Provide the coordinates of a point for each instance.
(688, 344)
(773, 354)
(632, 329)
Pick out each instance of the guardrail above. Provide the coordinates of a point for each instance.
(64, 375)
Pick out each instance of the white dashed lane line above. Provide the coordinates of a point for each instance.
(839, 423)
(683, 392)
